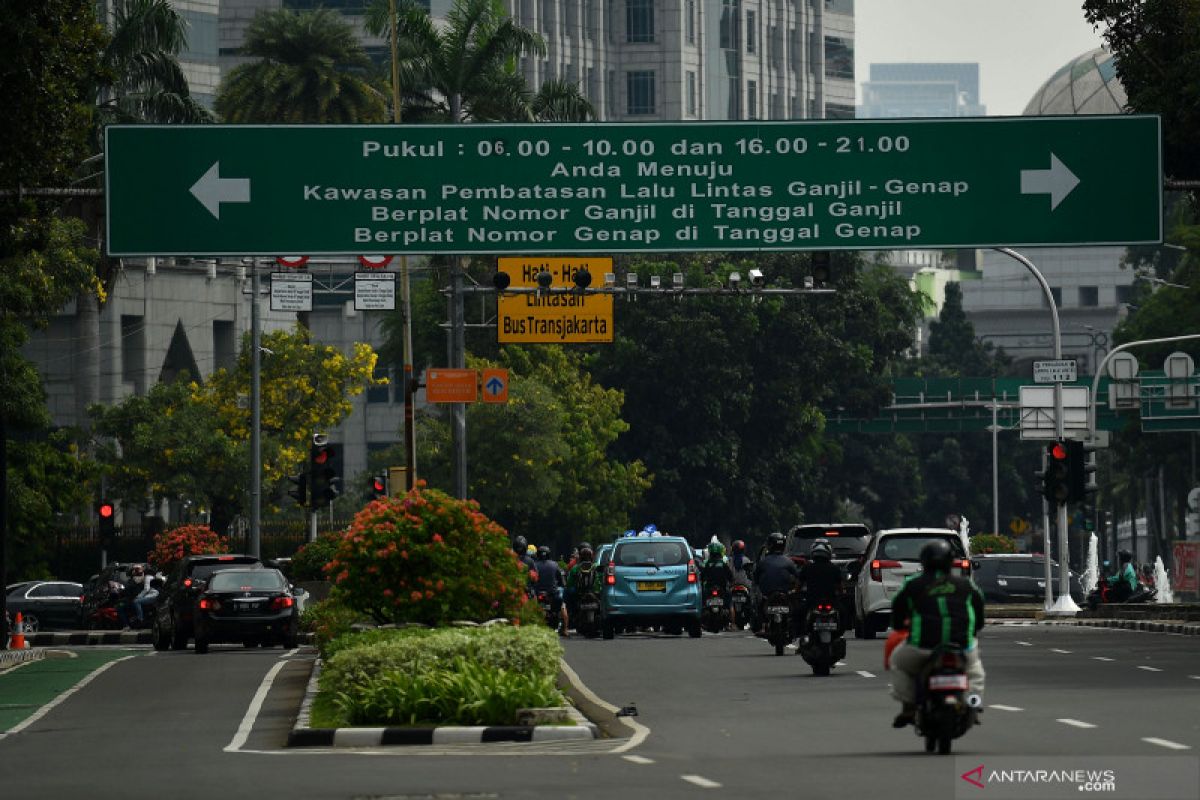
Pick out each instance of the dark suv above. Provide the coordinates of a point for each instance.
(848, 541)
(175, 613)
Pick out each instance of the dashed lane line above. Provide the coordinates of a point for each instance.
(1058, 650)
(1167, 743)
(866, 674)
(702, 782)
(999, 707)
(1101, 658)
(638, 759)
(1075, 723)
(1025, 644)
(1149, 669)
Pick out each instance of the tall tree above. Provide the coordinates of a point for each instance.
(310, 68)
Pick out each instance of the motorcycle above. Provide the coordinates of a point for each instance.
(823, 645)
(587, 615)
(1104, 593)
(739, 598)
(944, 709)
(715, 616)
(779, 621)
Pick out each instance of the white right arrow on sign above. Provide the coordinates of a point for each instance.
(1058, 181)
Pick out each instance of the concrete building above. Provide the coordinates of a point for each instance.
(921, 90)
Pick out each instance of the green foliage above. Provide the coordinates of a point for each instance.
(309, 562)
(465, 694)
(329, 621)
(310, 69)
(953, 349)
(428, 558)
(992, 543)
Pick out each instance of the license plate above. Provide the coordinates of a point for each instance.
(825, 626)
(589, 606)
(715, 602)
(947, 682)
(779, 610)
(244, 607)
(652, 586)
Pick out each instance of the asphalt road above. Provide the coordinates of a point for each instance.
(726, 717)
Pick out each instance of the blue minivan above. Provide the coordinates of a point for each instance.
(651, 580)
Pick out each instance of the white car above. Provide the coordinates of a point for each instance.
(891, 556)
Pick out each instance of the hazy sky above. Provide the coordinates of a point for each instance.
(1018, 44)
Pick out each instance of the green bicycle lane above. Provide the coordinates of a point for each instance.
(26, 688)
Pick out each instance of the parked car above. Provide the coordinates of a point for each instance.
(650, 580)
(251, 606)
(175, 612)
(1018, 578)
(100, 595)
(44, 605)
(891, 556)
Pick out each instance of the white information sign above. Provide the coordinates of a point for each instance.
(375, 291)
(1038, 413)
(1060, 371)
(291, 291)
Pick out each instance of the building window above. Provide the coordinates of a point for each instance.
(639, 20)
(1056, 293)
(839, 57)
(840, 7)
(794, 51)
(1089, 296)
(691, 93)
(610, 92)
(838, 111)
(751, 32)
(735, 99)
(639, 90)
(1124, 294)
(729, 25)
(690, 23)
(380, 394)
(751, 99)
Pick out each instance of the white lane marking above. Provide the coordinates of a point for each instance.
(1056, 650)
(703, 783)
(243, 731)
(999, 707)
(290, 653)
(1101, 658)
(1165, 743)
(839, 663)
(1074, 723)
(638, 759)
(46, 709)
(866, 674)
(1194, 677)
(1025, 644)
(1149, 669)
(640, 731)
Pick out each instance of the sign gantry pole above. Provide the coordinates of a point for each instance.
(255, 412)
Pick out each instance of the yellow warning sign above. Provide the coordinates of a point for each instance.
(572, 318)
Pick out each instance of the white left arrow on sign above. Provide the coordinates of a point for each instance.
(1058, 181)
(212, 190)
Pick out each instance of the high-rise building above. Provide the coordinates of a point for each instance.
(922, 90)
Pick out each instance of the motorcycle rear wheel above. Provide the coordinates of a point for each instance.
(930, 743)
(943, 745)
(820, 669)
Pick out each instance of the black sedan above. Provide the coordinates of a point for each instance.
(44, 605)
(251, 606)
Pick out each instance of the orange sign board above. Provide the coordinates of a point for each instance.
(495, 385)
(451, 385)
(554, 318)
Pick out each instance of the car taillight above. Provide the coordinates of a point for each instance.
(610, 575)
(715, 592)
(210, 604)
(280, 603)
(879, 565)
(824, 607)
(224, 558)
(965, 564)
(691, 570)
(187, 583)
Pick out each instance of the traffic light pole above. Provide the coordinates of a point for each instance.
(1064, 606)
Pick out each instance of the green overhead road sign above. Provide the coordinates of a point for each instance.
(605, 188)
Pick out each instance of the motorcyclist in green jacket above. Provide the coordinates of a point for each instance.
(1125, 582)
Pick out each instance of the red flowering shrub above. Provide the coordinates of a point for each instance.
(427, 557)
(187, 540)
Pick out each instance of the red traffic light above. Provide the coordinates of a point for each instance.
(378, 485)
(1058, 451)
(321, 456)
(105, 510)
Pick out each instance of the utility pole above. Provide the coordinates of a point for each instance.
(458, 360)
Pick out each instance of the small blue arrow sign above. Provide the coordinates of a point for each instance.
(495, 386)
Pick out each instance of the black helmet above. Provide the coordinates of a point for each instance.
(519, 545)
(584, 546)
(936, 556)
(775, 542)
(586, 554)
(543, 553)
(1124, 555)
(821, 551)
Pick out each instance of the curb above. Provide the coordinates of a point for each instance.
(81, 638)
(1151, 626)
(302, 735)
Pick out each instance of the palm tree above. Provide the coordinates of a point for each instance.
(310, 69)
(466, 69)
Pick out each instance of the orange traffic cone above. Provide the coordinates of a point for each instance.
(18, 637)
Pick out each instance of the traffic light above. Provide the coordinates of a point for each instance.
(821, 268)
(300, 491)
(106, 513)
(1055, 486)
(324, 480)
(378, 487)
(1081, 469)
